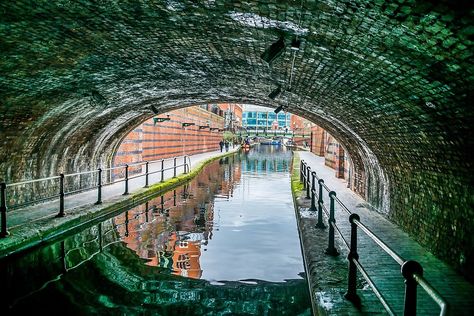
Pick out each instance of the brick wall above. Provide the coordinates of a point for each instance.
(325, 145)
(330, 151)
(317, 141)
(152, 141)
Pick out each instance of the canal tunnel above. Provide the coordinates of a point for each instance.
(390, 80)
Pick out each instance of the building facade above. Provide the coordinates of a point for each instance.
(260, 118)
(155, 139)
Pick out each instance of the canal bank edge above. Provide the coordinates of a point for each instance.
(51, 228)
(326, 275)
(297, 193)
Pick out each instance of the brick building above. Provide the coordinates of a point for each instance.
(154, 140)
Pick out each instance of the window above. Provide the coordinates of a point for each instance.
(262, 123)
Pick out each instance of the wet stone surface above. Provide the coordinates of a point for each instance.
(328, 274)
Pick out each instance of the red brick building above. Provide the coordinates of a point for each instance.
(154, 140)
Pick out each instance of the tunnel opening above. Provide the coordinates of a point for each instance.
(398, 74)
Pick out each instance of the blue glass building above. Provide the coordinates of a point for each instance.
(259, 117)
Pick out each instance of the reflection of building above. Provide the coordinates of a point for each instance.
(186, 255)
(170, 230)
(258, 117)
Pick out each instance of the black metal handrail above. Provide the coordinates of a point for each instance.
(98, 185)
(411, 270)
(96, 239)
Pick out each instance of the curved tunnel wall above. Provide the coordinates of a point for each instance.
(391, 81)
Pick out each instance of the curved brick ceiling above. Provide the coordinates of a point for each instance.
(393, 78)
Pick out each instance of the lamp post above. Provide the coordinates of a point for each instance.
(183, 138)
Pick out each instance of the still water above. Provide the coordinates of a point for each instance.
(226, 243)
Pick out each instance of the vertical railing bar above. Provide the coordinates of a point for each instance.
(301, 170)
(3, 209)
(351, 293)
(320, 223)
(61, 196)
(126, 180)
(126, 224)
(162, 170)
(146, 174)
(308, 172)
(409, 268)
(174, 167)
(99, 187)
(331, 250)
(313, 192)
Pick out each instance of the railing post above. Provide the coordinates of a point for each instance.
(3, 209)
(320, 223)
(301, 170)
(308, 172)
(184, 165)
(408, 269)
(146, 174)
(351, 293)
(304, 175)
(331, 250)
(313, 192)
(146, 211)
(174, 167)
(126, 180)
(99, 187)
(126, 224)
(162, 170)
(61, 196)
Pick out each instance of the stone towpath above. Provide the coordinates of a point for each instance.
(34, 224)
(329, 274)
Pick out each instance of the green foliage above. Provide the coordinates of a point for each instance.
(229, 136)
(296, 185)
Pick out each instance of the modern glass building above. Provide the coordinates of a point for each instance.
(259, 117)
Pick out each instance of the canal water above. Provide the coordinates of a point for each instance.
(226, 243)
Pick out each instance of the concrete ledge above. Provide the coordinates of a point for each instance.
(326, 275)
(51, 228)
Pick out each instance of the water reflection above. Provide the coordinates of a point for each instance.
(169, 231)
(225, 243)
(249, 224)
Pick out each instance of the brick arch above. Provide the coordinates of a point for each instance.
(76, 75)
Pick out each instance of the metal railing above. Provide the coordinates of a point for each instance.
(101, 237)
(74, 183)
(411, 270)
